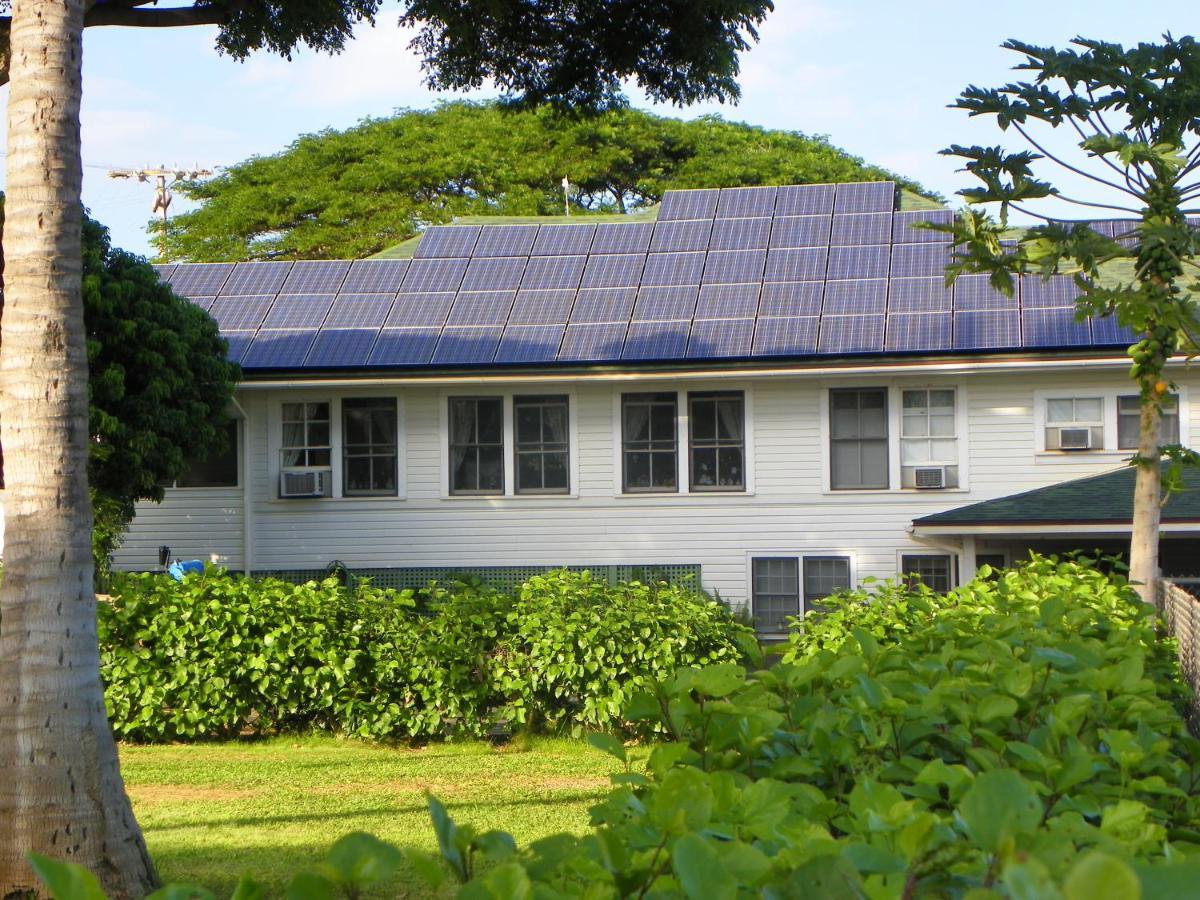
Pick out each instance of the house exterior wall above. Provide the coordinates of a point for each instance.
(787, 510)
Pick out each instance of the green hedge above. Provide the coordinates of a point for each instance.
(219, 656)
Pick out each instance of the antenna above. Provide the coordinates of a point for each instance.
(162, 189)
(566, 196)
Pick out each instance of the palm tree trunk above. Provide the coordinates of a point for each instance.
(1147, 508)
(61, 792)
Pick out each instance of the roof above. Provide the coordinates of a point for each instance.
(1105, 499)
(760, 275)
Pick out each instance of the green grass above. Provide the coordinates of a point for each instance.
(213, 812)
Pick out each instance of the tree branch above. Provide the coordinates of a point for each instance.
(134, 17)
(1050, 156)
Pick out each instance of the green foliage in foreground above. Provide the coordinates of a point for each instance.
(219, 657)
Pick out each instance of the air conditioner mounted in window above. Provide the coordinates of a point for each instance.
(300, 481)
(1075, 439)
(928, 477)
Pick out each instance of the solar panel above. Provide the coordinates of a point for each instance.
(316, 276)
(404, 347)
(735, 266)
(622, 237)
(909, 332)
(987, 330)
(801, 231)
(695, 204)
(801, 264)
(746, 201)
(239, 342)
(441, 241)
(791, 336)
(974, 293)
(678, 236)
(851, 334)
(1057, 292)
(240, 313)
(1053, 328)
(656, 340)
(200, 280)
(603, 305)
(721, 338)
(298, 311)
(563, 240)
(205, 303)
(541, 307)
(425, 310)
(865, 197)
(553, 272)
(341, 347)
(1127, 232)
(740, 234)
(279, 349)
(530, 343)
(613, 271)
(375, 276)
(804, 200)
(1108, 331)
(659, 304)
(852, 298)
(791, 298)
(920, 260)
(164, 272)
(859, 262)
(495, 274)
(359, 310)
(425, 275)
(481, 308)
(913, 295)
(255, 278)
(727, 301)
(467, 346)
(592, 343)
(870, 228)
(903, 231)
(505, 240)
(673, 268)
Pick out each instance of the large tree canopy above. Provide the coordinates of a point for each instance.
(351, 193)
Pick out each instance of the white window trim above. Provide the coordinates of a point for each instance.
(895, 393)
(1110, 453)
(275, 445)
(510, 452)
(956, 563)
(683, 456)
(799, 556)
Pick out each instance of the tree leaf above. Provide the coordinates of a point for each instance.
(700, 871)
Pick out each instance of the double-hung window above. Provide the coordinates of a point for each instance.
(369, 447)
(307, 436)
(649, 442)
(935, 572)
(858, 437)
(824, 576)
(1074, 423)
(774, 592)
(928, 438)
(1129, 421)
(717, 441)
(216, 470)
(542, 445)
(476, 427)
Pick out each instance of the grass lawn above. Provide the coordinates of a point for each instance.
(212, 812)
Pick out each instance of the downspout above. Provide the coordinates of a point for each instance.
(247, 495)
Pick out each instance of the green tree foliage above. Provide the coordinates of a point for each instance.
(340, 194)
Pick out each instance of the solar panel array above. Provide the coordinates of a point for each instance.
(736, 273)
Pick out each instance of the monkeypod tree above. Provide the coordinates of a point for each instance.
(1135, 116)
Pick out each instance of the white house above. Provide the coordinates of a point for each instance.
(765, 386)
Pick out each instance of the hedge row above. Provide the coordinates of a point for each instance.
(219, 656)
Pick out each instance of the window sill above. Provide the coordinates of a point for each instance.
(521, 498)
(1069, 457)
(299, 501)
(702, 495)
(893, 492)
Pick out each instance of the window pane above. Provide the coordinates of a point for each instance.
(704, 420)
(941, 425)
(217, 470)
(637, 470)
(874, 464)
(293, 412)
(915, 400)
(318, 411)
(555, 472)
(529, 424)
(933, 571)
(846, 468)
(356, 426)
(554, 422)
(914, 426)
(464, 473)
(491, 420)
(663, 470)
(319, 457)
(318, 434)
(704, 467)
(529, 472)
(662, 422)
(1060, 411)
(824, 575)
(293, 434)
(491, 468)
(914, 452)
(383, 469)
(462, 421)
(941, 399)
(730, 419)
(1089, 409)
(730, 467)
(637, 423)
(358, 474)
(775, 593)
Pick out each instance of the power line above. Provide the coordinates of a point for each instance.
(162, 188)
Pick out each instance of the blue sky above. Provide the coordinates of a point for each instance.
(873, 76)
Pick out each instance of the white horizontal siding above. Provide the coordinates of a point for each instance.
(196, 523)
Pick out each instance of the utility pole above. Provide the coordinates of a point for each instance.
(162, 189)
(566, 196)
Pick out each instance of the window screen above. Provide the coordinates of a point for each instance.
(476, 445)
(858, 438)
(932, 571)
(775, 593)
(649, 442)
(542, 445)
(1129, 421)
(369, 447)
(717, 441)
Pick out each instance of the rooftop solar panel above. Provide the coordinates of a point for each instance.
(505, 240)
(853, 298)
(467, 346)
(727, 301)
(801, 231)
(673, 269)
(1057, 292)
(869, 261)
(426, 275)
(974, 293)
(746, 201)
(735, 267)
(656, 340)
(659, 304)
(1127, 232)
(740, 234)
(791, 298)
(695, 204)
(865, 197)
(911, 332)
(592, 343)
(851, 334)
(920, 260)
(1108, 331)
(800, 264)
(987, 330)
(375, 276)
(721, 338)
(316, 276)
(200, 279)
(241, 313)
(791, 336)
(164, 272)
(404, 347)
(603, 305)
(502, 273)
(250, 278)
(613, 271)
(239, 342)
(279, 349)
(563, 240)
(622, 237)
(912, 295)
(541, 307)
(481, 308)
(553, 272)
(1104, 228)
(341, 347)
(869, 228)
(905, 232)
(455, 241)
(359, 310)
(679, 236)
(1053, 328)
(427, 310)
(530, 343)
(205, 303)
(804, 200)
(298, 311)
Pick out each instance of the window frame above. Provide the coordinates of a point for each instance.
(805, 604)
(951, 462)
(372, 456)
(952, 575)
(1110, 451)
(1177, 416)
(887, 439)
(504, 445)
(753, 596)
(307, 448)
(647, 397)
(542, 402)
(716, 443)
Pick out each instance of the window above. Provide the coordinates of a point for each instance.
(217, 470)
(1129, 421)
(476, 445)
(1075, 423)
(774, 592)
(823, 576)
(928, 438)
(649, 444)
(717, 441)
(306, 435)
(369, 451)
(997, 561)
(542, 445)
(932, 571)
(858, 437)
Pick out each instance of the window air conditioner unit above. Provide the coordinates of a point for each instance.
(927, 477)
(305, 482)
(1075, 439)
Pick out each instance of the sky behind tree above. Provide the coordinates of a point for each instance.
(875, 76)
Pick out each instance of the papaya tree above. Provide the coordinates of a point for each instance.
(1134, 114)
